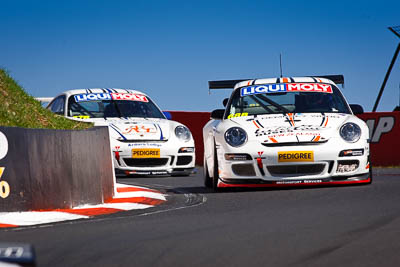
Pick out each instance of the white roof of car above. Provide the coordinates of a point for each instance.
(283, 80)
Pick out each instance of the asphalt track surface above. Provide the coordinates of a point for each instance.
(329, 226)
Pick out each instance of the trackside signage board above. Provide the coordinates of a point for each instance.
(384, 132)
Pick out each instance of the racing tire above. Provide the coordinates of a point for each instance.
(370, 174)
(207, 178)
(215, 177)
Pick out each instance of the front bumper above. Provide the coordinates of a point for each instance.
(263, 168)
(168, 162)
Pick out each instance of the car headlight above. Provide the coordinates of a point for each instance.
(235, 136)
(182, 133)
(350, 132)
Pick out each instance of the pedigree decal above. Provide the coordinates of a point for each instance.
(4, 186)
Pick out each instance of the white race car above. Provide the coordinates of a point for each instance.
(285, 131)
(143, 139)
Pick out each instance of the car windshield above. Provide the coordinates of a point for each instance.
(286, 98)
(85, 106)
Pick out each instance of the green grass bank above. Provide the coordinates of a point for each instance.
(18, 109)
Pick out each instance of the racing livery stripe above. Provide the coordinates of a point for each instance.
(323, 120)
(317, 138)
(326, 122)
(255, 123)
(113, 127)
(161, 133)
(273, 140)
(290, 118)
(259, 123)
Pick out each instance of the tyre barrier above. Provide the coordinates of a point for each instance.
(384, 130)
(44, 169)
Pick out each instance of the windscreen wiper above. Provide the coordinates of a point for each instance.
(261, 104)
(269, 101)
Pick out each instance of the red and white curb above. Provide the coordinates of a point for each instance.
(126, 198)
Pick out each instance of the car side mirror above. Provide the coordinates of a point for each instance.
(357, 109)
(225, 102)
(167, 115)
(217, 114)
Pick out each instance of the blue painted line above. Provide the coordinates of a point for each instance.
(161, 133)
(113, 127)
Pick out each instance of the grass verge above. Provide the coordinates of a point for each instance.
(19, 109)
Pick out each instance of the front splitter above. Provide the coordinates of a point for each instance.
(253, 183)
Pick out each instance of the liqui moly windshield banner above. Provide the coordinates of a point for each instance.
(285, 87)
(110, 96)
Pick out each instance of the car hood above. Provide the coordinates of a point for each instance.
(292, 127)
(138, 129)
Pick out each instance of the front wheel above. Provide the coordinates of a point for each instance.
(215, 177)
(207, 178)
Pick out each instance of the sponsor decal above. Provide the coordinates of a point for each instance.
(116, 152)
(384, 125)
(259, 162)
(81, 117)
(286, 130)
(144, 145)
(148, 172)
(300, 182)
(295, 156)
(111, 96)
(4, 186)
(145, 152)
(244, 114)
(285, 87)
(140, 129)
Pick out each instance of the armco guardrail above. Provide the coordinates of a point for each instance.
(54, 169)
(384, 134)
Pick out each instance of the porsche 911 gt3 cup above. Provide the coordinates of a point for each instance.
(285, 131)
(143, 141)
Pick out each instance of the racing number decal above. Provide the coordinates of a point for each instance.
(4, 186)
(244, 114)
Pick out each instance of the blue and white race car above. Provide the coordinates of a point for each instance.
(144, 140)
(285, 131)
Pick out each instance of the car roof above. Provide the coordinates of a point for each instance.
(283, 80)
(101, 90)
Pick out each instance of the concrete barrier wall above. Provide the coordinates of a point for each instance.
(50, 169)
(384, 134)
